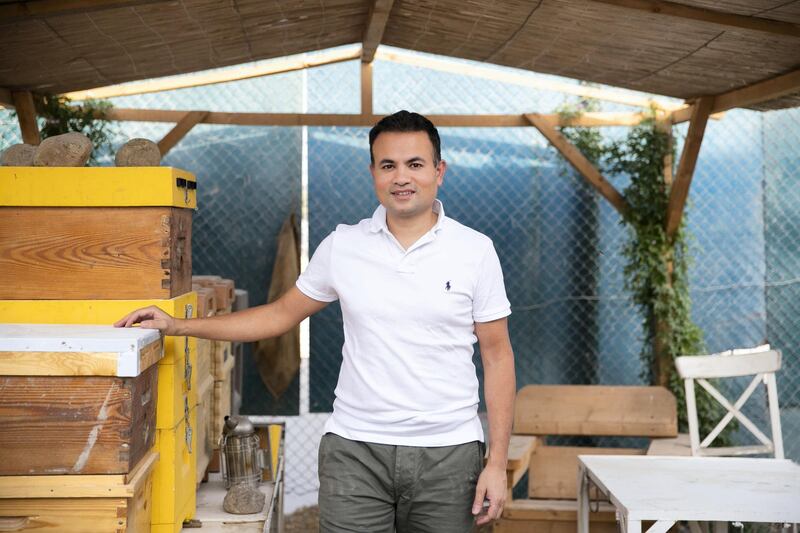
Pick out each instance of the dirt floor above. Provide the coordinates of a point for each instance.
(306, 520)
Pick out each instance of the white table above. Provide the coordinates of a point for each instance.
(668, 489)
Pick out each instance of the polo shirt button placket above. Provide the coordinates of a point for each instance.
(406, 265)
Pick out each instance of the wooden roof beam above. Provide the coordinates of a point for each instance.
(662, 7)
(683, 177)
(221, 76)
(756, 93)
(376, 25)
(574, 156)
(189, 120)
(312, 119)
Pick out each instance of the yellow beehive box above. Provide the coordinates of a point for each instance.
(76, 504)
(175, 475)
(97, 187)
(174, 389)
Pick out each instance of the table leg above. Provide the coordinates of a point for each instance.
(633, 526)
(661, 526)
(583, 500)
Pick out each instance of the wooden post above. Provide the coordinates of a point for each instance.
(26, 114)
(366, 89)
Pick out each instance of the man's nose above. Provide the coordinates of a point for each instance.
(400, 177)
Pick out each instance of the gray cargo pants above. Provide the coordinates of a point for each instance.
(381, 488)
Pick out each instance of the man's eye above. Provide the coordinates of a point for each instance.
(386, 167)
(416, 165)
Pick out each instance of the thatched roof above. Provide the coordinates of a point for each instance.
(50, 46)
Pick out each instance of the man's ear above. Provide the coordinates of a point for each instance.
(441, 168)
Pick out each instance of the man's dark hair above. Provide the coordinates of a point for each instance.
(406, 121)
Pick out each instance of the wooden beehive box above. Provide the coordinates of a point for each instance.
(95, 232)
(76, 399)
(77, 504)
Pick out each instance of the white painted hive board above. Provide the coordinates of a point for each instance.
(127, 343)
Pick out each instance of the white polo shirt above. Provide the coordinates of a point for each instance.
(407, 376)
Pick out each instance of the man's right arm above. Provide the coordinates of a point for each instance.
(256, 323)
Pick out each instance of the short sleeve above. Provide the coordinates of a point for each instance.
(316, 281)
(489, 301)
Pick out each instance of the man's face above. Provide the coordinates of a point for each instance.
(405, 177)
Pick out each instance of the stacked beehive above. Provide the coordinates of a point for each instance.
(77, 426)
(222, 360)
(89, 245)
(240, 303)
(206, 307)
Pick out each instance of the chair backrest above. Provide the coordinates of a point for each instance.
(595, 410)
(761, 363)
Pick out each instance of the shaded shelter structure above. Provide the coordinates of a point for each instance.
(714, 55)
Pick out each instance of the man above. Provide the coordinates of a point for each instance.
(402, 449)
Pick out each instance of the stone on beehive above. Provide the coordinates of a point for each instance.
(138, 153)
(18, 155)
(67, 150)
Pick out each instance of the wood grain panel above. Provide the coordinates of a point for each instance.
(595, 410)
(76, 425)
(94, 252)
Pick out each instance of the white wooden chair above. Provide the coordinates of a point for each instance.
(759, 362)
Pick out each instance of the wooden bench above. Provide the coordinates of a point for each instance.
(544, 411)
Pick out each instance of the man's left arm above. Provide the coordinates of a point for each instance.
(499, 385)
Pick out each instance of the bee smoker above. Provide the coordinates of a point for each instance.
(241, 458)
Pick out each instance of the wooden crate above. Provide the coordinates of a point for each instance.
(205, 427)
(173, 389)
(223, 360)
(175, 475)
(223, 288)
(205, 359)
(77, 504)
(94, 233)
(56, 418)
(206, 300)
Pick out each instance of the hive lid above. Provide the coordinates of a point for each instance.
(77, 350)
(97, 187)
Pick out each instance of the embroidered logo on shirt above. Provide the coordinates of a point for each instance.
(447, 286)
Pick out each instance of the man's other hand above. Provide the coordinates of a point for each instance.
(150, 317)
(492, 487)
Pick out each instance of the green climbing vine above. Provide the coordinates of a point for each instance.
(656, 267)
(59, 115)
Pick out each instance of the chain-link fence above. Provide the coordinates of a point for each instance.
(559, 242)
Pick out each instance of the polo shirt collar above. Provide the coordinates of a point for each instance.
(378, 221)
